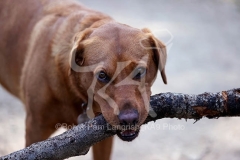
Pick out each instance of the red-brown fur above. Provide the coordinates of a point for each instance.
(37, 43)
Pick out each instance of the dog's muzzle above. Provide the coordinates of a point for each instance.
(128, 129)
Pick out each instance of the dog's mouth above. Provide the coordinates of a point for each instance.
(128, 134)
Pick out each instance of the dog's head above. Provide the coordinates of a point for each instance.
(116, 65)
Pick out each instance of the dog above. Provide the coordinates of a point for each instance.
(60, 58)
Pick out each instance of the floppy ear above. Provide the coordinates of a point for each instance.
(76, 56)
(159, 53)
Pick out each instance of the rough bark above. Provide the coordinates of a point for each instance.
(210, 105)
(78, 140)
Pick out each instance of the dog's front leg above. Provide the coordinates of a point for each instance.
(102, 150)
(37, 130)
(41, 120)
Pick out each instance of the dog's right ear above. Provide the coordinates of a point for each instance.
(159, 53)
(76, 56)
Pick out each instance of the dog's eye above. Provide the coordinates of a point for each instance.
(139, 73)
(103, 77)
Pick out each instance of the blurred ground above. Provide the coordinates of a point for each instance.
(203, 56)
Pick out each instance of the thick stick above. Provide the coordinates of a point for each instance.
(210, 105)
(73, 142)
(78, 140)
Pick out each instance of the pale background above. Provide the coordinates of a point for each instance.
(203, 56)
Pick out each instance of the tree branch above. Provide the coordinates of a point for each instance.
(79, 139)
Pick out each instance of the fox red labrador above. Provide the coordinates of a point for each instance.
(62, 59)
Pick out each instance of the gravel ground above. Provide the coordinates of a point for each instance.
(203, 43)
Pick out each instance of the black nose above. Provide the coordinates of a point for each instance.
(128, 117)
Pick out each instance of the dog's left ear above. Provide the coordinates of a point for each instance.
(159, 53)
(76, 56)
